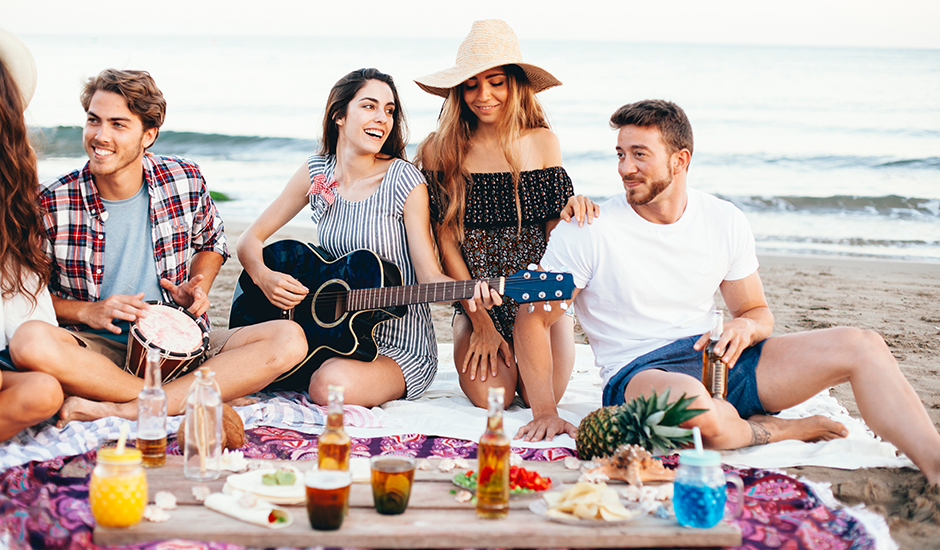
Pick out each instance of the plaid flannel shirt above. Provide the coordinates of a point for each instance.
(183, 219)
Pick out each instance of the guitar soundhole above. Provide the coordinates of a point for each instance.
(329, 304)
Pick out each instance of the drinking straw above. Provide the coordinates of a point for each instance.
(123, 438)
(697, 438)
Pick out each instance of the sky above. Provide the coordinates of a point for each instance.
(848, 23)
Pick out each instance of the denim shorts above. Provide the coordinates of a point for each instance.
(679, 356)
(6, 363)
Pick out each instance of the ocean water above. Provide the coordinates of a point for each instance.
(827, 150)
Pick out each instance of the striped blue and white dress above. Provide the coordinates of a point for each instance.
(377, 224)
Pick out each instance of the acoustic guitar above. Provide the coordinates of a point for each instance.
(351, 295)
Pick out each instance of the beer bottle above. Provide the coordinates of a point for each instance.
(333, 443)
(202, 451)
(714, 370)
(493, 467)
(151, 414)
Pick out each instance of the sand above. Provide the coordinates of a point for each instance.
(898, 299)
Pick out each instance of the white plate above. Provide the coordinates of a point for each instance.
(540, 508)
(276, 494)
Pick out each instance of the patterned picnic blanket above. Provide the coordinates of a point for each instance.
(45, 504)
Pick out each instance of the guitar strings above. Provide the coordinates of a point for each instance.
(332, 297)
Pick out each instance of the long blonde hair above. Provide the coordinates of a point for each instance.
(451, 142)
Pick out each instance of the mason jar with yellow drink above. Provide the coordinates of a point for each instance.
(117, 492)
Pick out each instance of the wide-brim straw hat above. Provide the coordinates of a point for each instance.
(19, 62)
(491, 43)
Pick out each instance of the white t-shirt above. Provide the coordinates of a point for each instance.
(645, 285)
(18, 309)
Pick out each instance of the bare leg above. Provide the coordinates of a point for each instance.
(476, 390)
(795, 367)
(40, 347)
(562, 335)
(722, 427)
(365, 384)
(26, 399)
(251, 359)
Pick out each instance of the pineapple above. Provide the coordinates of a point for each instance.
(648, 422)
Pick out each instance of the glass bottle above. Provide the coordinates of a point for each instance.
(493, 467)
(202, 451)
(333, 444)
(117, 492)
(151, 414)
(714, 370)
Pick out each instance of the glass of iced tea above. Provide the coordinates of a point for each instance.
(392, 477)
(327, 498)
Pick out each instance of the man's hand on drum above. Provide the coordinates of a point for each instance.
(125, 307)
(484, 297)
(189, 295)
(282, 290)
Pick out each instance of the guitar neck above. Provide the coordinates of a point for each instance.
(449, 291)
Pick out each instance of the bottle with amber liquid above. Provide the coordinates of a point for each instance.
(493, 467)
(714, 370)
(333, 443)
(151, 414)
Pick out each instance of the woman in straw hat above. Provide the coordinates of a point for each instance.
(26, 398)
(497, 189)
(363, 194)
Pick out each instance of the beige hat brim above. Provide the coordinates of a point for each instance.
(441, 82)
(17, 59)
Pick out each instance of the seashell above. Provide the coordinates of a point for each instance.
(463, 496)
(201, 492)
(164, 500)
(447, 465)
(423, 464)
(633, 464)
(515, 460)
(155, 514)
(462, 463)
(593, 477)
(572, 463)
(234, 461)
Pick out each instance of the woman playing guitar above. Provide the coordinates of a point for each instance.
(363, 195)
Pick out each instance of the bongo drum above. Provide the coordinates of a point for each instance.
(181, 339)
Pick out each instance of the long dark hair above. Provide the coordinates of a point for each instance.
(21, 234)
(343, 93)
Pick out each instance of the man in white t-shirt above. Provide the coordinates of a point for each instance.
(646, 273)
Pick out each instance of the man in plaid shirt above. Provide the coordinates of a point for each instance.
(130, 227)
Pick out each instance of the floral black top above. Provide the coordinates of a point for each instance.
(493, 246)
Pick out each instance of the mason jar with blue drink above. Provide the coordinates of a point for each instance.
(700, 489)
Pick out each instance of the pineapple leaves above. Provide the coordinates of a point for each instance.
(678, 412)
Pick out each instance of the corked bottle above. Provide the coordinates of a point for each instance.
(202, 451)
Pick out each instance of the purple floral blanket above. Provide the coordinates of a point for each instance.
(45, 504)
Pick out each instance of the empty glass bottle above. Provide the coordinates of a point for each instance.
(202, 451)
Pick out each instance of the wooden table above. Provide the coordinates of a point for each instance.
(433, 520)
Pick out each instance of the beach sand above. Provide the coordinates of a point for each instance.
(894, 298)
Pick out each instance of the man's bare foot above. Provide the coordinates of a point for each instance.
(84, 410)
(241, 402)
(768, 429)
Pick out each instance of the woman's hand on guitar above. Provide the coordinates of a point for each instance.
(282, 290)
(486, 347)
(580, 208)
(483, 297)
